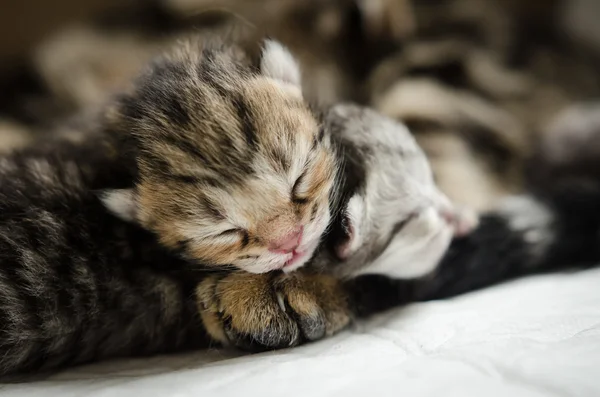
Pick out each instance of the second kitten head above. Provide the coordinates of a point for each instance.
(392, 219)
(233, 167)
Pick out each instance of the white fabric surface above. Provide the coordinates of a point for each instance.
(533, 337)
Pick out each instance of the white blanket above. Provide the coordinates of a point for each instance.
(533, 337)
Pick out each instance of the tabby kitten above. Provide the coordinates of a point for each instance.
(79, 285)
(233, 168)
(219, 159)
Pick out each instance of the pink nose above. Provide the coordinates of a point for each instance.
(288, 243)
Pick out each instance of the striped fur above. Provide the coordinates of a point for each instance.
(77, 284)
(80, 285)
(230, 157)
(390, 218)
(391, 209)
(554, 226)
(204, 139)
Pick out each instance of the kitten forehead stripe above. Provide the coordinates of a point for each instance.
(246, 120)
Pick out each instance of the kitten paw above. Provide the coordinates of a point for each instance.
(259, 312)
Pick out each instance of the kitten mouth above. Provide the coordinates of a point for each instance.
(296, 256)
(299, 258)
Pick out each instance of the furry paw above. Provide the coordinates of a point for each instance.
(271, 311)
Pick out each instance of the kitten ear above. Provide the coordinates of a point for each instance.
(278, 63)
(351, 224)
(121, 203)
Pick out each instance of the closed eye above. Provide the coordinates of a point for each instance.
(397, 229)
(236, 233)
(403, 223)
(296, 197)
(300, 200)
(230, 232)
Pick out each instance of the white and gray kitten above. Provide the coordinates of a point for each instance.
(394, 219)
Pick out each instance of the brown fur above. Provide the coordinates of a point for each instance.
(230, 160)
(272, 310)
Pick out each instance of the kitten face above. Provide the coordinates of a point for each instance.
(395, 221)
(233, 167)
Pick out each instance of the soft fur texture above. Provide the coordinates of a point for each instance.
(395, 210)
(526, 235)
(67, 259)
(233, 167)
(77, 284)
(77, 277)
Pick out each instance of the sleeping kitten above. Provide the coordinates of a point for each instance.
(233, 168)
(47, 239)
(392, 208)
(80, 285)
(220, 159)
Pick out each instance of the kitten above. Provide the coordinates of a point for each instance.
(217, 158)
(258, 197)
(392, 207)
(232, 166)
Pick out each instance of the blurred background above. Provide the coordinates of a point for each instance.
(479, 82)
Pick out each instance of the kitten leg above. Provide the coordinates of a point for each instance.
(270, 311)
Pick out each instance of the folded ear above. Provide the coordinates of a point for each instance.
(121, 203)
(279, 64)
(351, 224)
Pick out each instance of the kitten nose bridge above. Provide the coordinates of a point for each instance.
(287, 243)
